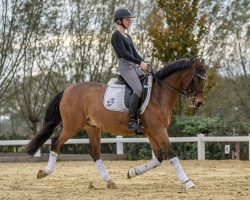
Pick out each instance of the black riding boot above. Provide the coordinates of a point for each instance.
(133, 107)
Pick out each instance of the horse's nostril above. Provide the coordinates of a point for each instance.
(199, 104)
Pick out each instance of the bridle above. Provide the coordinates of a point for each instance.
(186, 92)
(191, 89)
(191, 86)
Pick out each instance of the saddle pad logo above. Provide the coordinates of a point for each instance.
(110, 102)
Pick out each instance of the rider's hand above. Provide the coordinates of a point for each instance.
(144, 66)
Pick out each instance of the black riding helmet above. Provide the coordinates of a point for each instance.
(121, 13)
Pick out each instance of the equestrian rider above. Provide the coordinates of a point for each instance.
(128, 61)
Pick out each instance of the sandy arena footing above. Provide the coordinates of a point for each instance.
(81, 180)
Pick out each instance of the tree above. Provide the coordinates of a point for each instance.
(31, 84)
(90, 56)
(176, 30)
(228, 44)
(58, 43)
(12, 43)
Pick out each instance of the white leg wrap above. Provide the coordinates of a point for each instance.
(101, 167)
(144, 168)
(52, 162)
(178, 169)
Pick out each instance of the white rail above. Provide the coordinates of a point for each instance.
(119, 140)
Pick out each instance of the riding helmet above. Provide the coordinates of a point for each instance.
(121, 13)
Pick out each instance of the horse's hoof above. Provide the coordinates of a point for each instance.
(41, 174)
(111, 185)
(131, 173)
(189, 184)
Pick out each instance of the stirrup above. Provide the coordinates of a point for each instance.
(134, 126)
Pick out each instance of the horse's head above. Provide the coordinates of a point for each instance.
(196, 83)
(189, 83)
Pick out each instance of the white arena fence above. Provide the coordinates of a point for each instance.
(119, 140)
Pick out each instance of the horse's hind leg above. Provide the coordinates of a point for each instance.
(57, 142)
(94, 134)
(134, 171)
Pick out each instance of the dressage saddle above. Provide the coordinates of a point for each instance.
(128, 90)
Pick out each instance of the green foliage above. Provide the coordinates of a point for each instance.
(13, 136)
(191, 126)
(138, 151)
(176, 29)
(187, 126)
(228, 44)
(225, 102)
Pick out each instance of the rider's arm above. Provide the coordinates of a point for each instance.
(134, 51)
(117, 42)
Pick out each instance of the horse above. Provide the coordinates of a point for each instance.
(80, 106)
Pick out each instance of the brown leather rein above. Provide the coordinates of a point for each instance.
(186, 92)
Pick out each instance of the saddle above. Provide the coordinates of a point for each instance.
(128, 90)
(118, 94)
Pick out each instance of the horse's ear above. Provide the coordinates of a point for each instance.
(203, 62)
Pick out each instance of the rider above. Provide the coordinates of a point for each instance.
(128, 61)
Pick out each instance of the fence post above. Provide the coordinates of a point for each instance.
(249, 148)
(38, 153)
(119, 145)
(201, 147)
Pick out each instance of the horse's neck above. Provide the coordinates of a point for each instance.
(169, 97)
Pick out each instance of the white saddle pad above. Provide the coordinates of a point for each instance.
(114, 96)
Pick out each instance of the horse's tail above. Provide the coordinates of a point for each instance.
(52, 119)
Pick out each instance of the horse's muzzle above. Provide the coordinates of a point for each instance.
(199, 103)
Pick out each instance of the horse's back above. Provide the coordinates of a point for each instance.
(82, 96)
(80, 88)
(84, 90)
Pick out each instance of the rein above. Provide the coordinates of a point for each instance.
(183, 91)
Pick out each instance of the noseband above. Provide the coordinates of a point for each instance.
(186, 92)
(191, 86)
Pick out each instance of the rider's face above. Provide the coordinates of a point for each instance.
(126, 21)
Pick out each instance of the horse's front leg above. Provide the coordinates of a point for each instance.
(94, 134)
(134, 171)
(163, 140)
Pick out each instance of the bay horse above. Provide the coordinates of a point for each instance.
(80, 106)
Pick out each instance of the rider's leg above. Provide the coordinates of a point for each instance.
(133, 110)
(131, 77)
